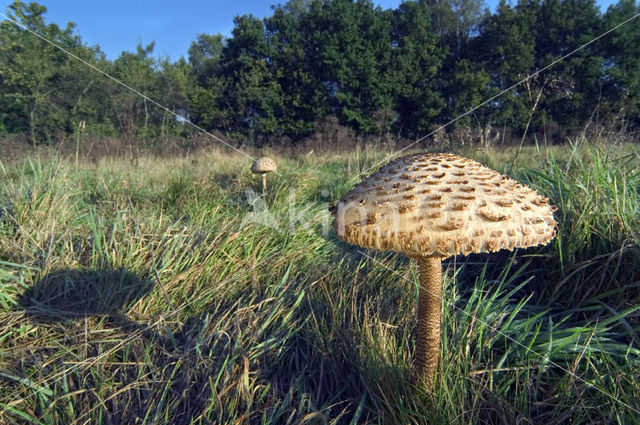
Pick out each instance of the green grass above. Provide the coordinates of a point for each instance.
(148, 293)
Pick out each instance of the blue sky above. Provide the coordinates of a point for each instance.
(117, 25)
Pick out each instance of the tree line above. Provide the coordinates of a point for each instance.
(402, 71)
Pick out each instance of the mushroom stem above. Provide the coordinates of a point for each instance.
(429, 302)
(264, 182)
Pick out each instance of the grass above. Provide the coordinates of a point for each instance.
(172, 292)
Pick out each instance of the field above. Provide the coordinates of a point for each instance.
(172, 291)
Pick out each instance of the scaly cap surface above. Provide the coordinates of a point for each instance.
(443, 205)
(263, 165)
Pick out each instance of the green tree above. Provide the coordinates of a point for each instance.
(518, 41)
(207, 94)
(456, 22)
(351, 47)
(34, 90)
(621, 52)
(252, 94)
(465, 85)
(462, 81)
(205, 55)
(133, 113)
(45, 93)
(417, 60)
(508, 46)
(177, 83)
(304, 100)
(571, 88)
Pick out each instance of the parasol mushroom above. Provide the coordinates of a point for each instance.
(433, 206)
(263, 166)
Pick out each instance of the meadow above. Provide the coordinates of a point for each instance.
(172, 291)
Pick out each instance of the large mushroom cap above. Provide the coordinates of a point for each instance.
(443, 205)
(263, 165)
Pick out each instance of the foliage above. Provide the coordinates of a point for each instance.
(39, 93)
(417, 61)
(401, 72)
(621, 51)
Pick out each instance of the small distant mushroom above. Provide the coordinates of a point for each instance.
(433, 206)
(263, 166)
